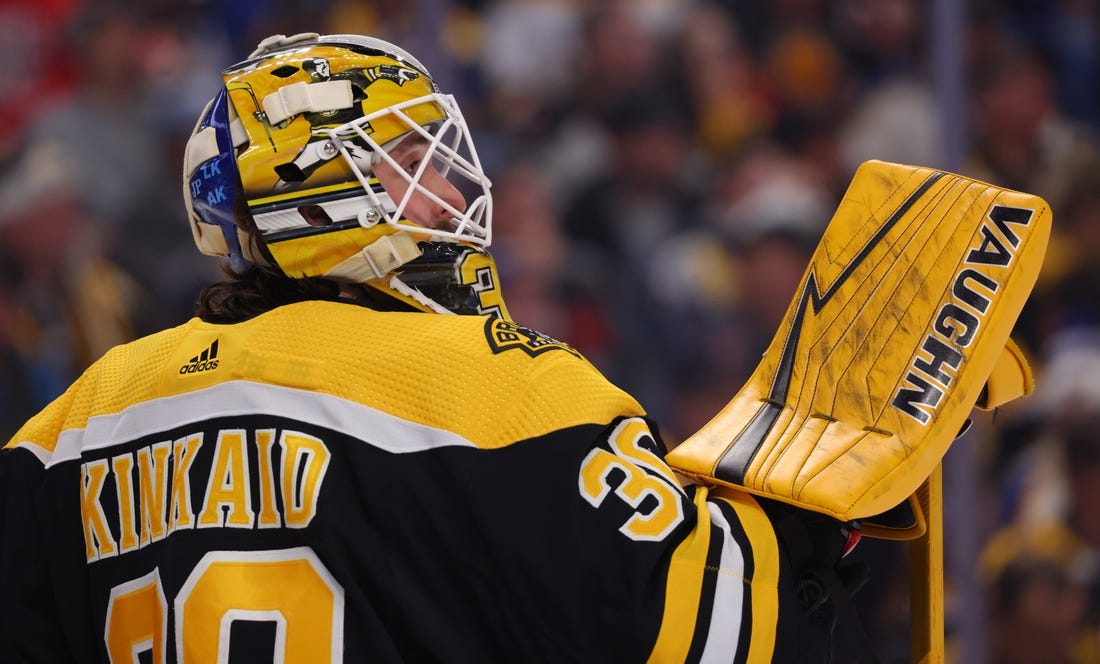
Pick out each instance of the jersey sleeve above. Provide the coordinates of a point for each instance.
(705, 564)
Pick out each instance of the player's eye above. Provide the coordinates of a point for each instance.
(412, 167)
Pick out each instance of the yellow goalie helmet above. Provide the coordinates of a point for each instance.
(293, 141)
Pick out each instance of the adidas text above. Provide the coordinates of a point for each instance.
(204, 361)
(198, 366)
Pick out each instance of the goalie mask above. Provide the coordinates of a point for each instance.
(298, 140)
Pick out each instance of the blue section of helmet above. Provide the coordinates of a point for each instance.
(215, 183)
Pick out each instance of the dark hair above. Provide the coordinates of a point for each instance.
(258, 288)
(256, 291)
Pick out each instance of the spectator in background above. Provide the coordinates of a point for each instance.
(772, 209)
(1036, 595)
(38, 67)
(892, 114)
(625, 229)
(809, 80)
(530, 249)
(528, 58)
(16, 381)
(1049, 501)
(63, 304)
(119, 158)
(1065, 297)
(1021, 140)
(726, 93)
(104, 122)
(1065, 31)
(619, 60)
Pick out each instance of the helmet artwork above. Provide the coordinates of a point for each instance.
(293, 140)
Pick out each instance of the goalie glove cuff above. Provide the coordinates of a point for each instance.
(818, 621)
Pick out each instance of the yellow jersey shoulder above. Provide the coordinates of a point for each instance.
(492, 381)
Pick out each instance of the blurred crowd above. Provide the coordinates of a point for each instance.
(662, 171)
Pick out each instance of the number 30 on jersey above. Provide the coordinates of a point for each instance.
(634, 474)
(289, 588)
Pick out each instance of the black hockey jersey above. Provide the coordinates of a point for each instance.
(328, 483)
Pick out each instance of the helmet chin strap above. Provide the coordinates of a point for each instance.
(377, 259)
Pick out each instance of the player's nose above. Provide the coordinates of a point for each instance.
(448, 193)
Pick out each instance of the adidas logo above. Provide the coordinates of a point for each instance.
(204, 361)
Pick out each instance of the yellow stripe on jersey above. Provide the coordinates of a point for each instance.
(689, 566)
(683, 590)
(765, 577)
(434, 370)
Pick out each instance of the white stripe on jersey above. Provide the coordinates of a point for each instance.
(729, 595)
(239, 397)
(41, 452)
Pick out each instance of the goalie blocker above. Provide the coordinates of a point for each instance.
(899, 328)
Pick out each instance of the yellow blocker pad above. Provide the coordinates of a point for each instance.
(902, 317)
